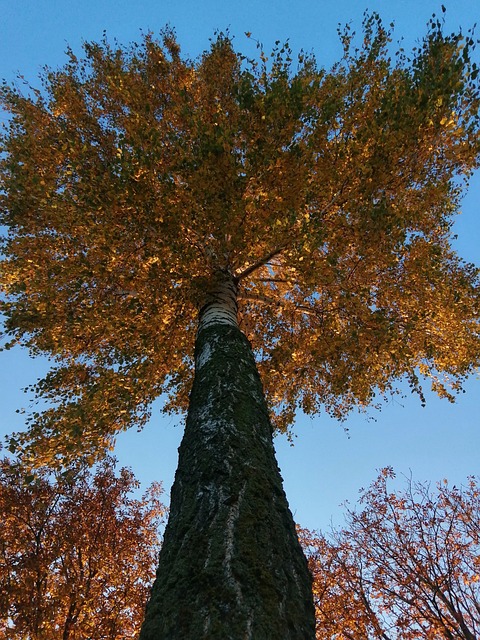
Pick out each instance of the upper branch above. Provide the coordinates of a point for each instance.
(260, 263)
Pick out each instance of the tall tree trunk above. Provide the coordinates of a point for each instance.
(231, 567)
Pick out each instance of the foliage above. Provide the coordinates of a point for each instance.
(406, 566)
(78, 554)
(135, 176)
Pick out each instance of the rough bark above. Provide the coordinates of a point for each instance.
(231, 566)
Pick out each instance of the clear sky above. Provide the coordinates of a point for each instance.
(325, 467)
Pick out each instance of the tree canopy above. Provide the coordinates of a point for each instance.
(134, 177)
(78, 553)
(405, 566)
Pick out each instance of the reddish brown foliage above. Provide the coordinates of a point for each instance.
(77, 554)
(407, 566)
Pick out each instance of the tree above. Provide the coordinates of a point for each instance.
(406, 565)
(78, 554)
(294, 221)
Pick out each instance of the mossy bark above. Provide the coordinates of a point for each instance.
(231, 567)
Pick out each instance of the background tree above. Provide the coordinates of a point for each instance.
(77, 554)
(406, 565)
(287, 218)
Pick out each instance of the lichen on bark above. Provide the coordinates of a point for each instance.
(231, 566)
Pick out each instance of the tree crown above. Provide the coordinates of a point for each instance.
(135, 176)
(78, 552)
(405, 566)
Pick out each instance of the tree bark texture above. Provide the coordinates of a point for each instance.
(231, 567)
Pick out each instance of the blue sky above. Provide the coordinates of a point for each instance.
(325, 467)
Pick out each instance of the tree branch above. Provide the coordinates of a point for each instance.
(260, 263)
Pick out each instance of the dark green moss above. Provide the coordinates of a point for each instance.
(231, 566)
